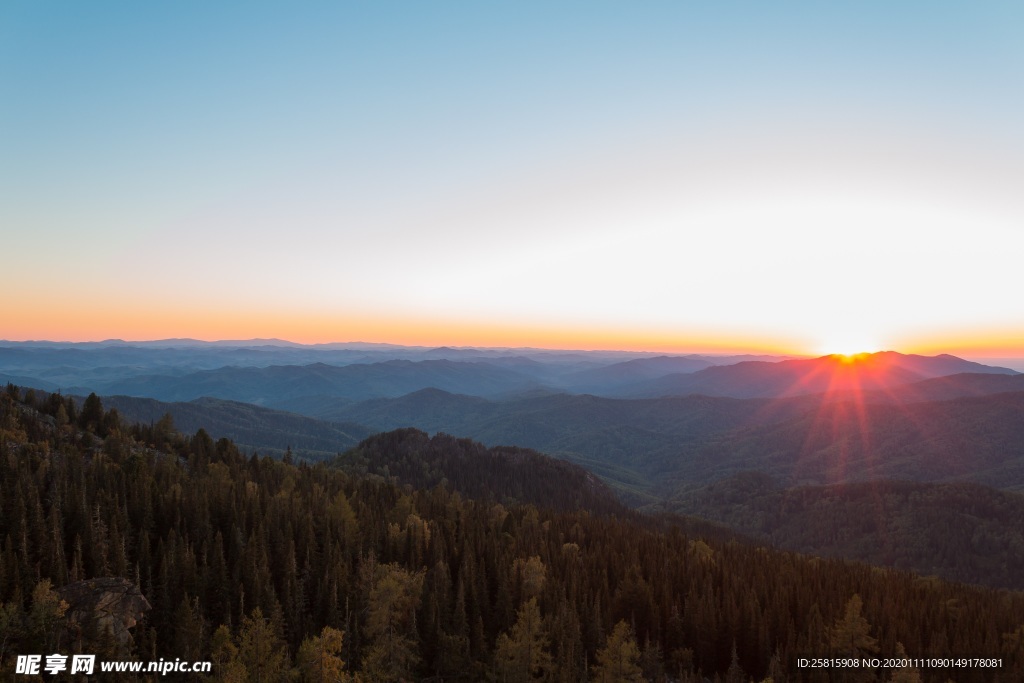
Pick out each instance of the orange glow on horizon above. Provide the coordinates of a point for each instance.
(983, 342)
(67, 320)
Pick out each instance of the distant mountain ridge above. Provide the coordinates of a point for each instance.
(865, 372)
(940, 388)
(265, 386)
(275, 373)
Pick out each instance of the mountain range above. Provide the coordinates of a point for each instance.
(286, 375)
(662, 431)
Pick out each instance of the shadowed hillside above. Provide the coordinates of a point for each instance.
(979, 439)
(961, 532)
(270, 432)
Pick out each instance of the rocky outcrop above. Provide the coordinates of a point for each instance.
(98, 607)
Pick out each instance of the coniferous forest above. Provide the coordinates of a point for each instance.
(429, 568)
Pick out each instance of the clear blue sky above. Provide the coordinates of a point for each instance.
(677, 175)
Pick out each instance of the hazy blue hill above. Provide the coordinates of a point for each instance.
(88, 365)
(647, 448)
(312, 406)
(715, 359)
(937, 366)
(621, 440)
(630, 372)
(131, 367)
(449, 353)
(547, 419)
(955, 386)
(276, 384)
(23, 381)
(269, 432)
(757, 379)
(144, 368)
(881, 371)
(979, 439)
(664, 447)
(544, 374)
(961, 531)
(430, 409)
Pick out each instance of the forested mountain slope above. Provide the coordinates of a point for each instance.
(661, 448)
(979, 439)
(505, 474)
(259, 564)
(250, 427)
(961, 532)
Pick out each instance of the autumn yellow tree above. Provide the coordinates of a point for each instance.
(523, 654)
(261, 649)
(391, 623)
(319, 660)
(619, 660)
(851, 634)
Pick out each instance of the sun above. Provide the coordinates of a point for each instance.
(848, 347)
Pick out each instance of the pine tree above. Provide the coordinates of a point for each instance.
(189, 629)
(44, 616)
(735, 673)
(319, 658)
(261, 649)
(391, 623)
(11, 620)
(523, 653)
(851, 634)
(91, 417)
(224, 655)
(851, 637)
(619, 660)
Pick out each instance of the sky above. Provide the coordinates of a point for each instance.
(674, 176)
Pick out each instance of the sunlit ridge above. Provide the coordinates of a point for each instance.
(849, 358)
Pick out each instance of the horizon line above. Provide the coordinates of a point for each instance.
(277, 341)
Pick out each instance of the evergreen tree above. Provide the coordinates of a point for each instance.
(189, 629)
(619, 660)
(11, 619)
(319, 658)
(391, 623)
(224, 656)
(44, 616)
(523, 654)
(261, 649)
(91, 417)
(851, 635)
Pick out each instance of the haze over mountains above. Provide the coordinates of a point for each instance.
(653, 426)
(634, 418)
(272, 373)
